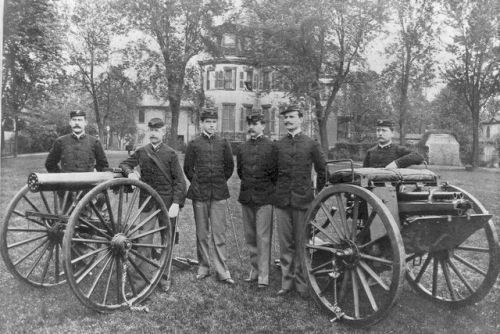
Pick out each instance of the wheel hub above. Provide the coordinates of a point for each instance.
(349, 254)
(120, 244)
(56, 232)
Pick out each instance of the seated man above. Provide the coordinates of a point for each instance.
(388, 155)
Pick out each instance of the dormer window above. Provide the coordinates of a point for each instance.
(228, 41)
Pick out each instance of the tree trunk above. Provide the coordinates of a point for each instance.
(175, 105)
(323, 134)
(2, 140)
(16, 126)
(475, 135)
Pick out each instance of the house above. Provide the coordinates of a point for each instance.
(490, 140)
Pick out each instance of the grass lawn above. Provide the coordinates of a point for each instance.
(208, 306)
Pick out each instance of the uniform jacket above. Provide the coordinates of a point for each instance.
(208, 165)
(296, 156)
(76, 155)
(171, 187)
(256, 167)
(380, 157)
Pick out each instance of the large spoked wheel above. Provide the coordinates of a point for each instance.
(32, 232)
(460, 276)
(353, 254)
(120, 233)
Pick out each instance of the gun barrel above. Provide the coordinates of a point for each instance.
(68, 181)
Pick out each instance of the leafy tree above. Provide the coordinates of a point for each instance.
(181, 30)
(449, 112)
(93, 24)
(31, 52)
(412, 53)
(475, 71)
(313, 39)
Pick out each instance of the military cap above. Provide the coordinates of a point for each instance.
(290, 108)
(77, 113)
(385, 123)
(208, 113)
(255, 117)
(155, 123)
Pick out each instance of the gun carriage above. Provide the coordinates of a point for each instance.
(87, 229)
(370, 228)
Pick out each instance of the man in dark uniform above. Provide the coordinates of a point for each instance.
(256, 166)
(297, 153)
(208, 165)
(77, 151)
(387, 155)
(161, 170)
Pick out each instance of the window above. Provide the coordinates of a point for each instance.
(272, 121)
(249, 80)
(229, 40)
(208, 79)
(228, 121)
(141, 116)
(219, 80)
(229, 78)
(242, 79)
(256, 81)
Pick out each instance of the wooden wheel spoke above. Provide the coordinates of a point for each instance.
(96, 241)
(342, 214)
(34, 230)
(118, 276)
(374, 258)
(45, 202)
(30, 252)
(98, 277)
(130, 207)
(435, 271)
(120, 209)
(374, 275)
(65, 202)
(332, 222)
(325, 232)
(91, 267)
(33, 266)
(84, 256)
(56, 202)
(370, 219)
(20, 214)
(101, 218)
(138, 269)
(141, 224)
(446, 272)
(108, 282)
(468, 264)
(47, 262)
(31, 204)
(132, 221)
(366, 287)
(355, 294)
(142, 257)
(461, 277)
(24, 242)
(95, 228)
(148, 232)
(321, 266)
(135, 245)
(473, 249)
(424, 268)
(110, 212)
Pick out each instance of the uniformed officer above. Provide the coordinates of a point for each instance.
(387, 155)
(297, 153)
(161, 170)
(256, 166)
(208, 165)
(77, 151)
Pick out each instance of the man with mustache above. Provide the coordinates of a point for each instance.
(387, 155)
(77, 151)
(161, 170)
(208, 165)
(297, 154)
(256, 167)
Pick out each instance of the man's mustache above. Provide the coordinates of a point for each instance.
(288, 123)
(251, 131)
